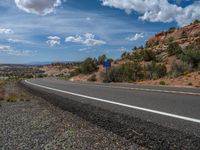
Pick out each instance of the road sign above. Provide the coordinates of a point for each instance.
(106, 64)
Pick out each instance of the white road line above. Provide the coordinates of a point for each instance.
(120, 104)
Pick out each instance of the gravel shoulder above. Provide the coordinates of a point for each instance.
(37, 124)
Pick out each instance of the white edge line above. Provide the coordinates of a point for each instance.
(120, 104)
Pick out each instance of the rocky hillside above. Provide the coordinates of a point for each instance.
(184, 36)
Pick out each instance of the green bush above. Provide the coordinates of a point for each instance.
(191, 55)
(154, 71)
(148, 55)
(75, 72)
(174, 49)
(129, 72)
(179, 68)
(88, 66)
(136, 56)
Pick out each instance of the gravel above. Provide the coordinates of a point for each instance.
(37, 124)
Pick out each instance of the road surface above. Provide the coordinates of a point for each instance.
(176, 108)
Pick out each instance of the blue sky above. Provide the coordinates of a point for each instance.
(71, 30)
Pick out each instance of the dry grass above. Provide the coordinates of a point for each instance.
(14, 96)
(2, 92)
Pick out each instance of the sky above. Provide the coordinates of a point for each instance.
(72, 30)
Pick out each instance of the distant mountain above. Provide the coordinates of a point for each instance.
(51, 62)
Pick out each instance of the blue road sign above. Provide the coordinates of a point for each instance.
(106, 64)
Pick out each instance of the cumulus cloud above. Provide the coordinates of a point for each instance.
(53, 41)
(136, 37)
(38, 7)
(158, 10)
(74, 39)
(11, 51)
(87, 39)
(6, 31)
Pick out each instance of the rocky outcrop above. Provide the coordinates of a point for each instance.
(184, 36)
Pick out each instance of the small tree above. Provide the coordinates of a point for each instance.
(102, 59)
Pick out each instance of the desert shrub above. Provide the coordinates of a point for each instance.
(191, 55)
(148, 55)
(128, 72)
(75, 72)
(88, 66)
(179, 68)
(162, 83)
(161, 58)
(184, 35)
(174, 49)
(154, 71)
(92, 78)
(136, 56)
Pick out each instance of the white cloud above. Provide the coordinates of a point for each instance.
(83, 49)
(74, 39)
(87, 39)
(38, 7)
(136, 37)
(5, 48)
(53, 41)
(6, 31)
(158, 10)
(14, 40)
(11, 51)
(88, 19)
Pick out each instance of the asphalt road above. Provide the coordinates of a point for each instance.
(171, 107)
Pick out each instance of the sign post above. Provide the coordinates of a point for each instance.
(107, 65)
